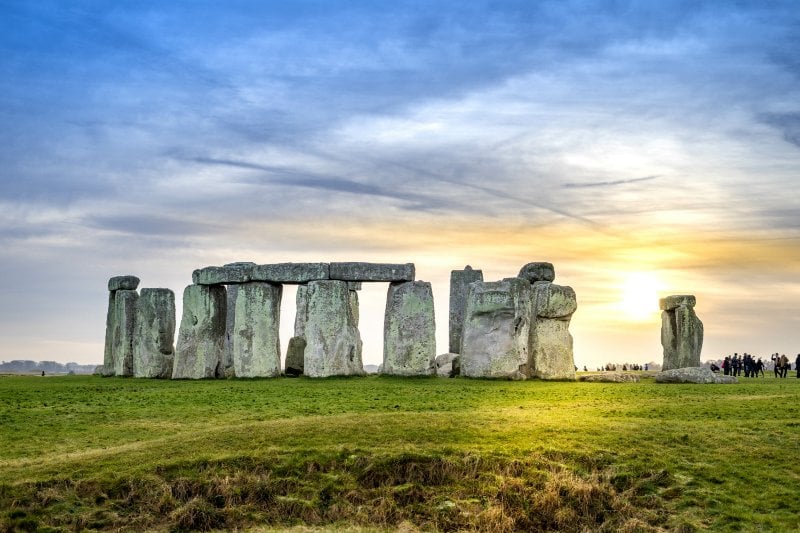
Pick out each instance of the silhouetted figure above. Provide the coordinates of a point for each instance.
(797, 366)
(760, 367)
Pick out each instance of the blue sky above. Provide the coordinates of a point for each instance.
(608, 137)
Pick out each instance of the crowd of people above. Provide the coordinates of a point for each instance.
(751, 366)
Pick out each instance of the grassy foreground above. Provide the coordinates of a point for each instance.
(81, 453)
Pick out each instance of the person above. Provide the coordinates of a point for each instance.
(714, 367)
(42, 373)
(776, 364)
(646, 366)
(760, 367)
(797, 366)
(784, 365)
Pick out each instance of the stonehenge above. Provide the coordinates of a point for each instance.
(516, 328)
(681, 332)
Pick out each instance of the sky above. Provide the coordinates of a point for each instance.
(644, 148)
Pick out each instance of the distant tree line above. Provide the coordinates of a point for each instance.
(37, 367)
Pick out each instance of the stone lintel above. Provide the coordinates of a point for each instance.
(123, 283)
(291, 273)
(372, 272)
(223, 275)
(676, 300)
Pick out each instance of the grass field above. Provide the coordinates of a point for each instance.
(81, 453)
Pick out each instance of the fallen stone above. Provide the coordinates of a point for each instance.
(444, 364)
(200, 350)
(409, 332)
(672, 302)
(333, 342)
(124, 323)
(693, 375)
(681, 334)
(290, 273)
(611, 377)
(372, 271)
(295, 357)
(256, 342)
(153, 349)
(223, 275)
(496, 332)
(539, 271)
(123, 283)
(550, 341)
(459, 289)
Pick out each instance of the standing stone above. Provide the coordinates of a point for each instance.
(551, 341)
(353, 302)
(409, 331)
(496, 332)
(256, 343)
(459, 289)
(153, 348)
(333, 342)
(200, 350)
(681, 332)
(295, 350)
(108, 353)
(124, 321)
(230, 319)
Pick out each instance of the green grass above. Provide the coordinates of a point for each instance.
(82, 453)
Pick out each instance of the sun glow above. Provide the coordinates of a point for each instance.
(640, 296)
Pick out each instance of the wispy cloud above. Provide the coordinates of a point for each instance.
(613, 183)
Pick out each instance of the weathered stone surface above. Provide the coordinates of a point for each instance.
(444, 365)
(372, 271)
(550, 340)
(230, 321)
(290, 272)
(554, 301)
(295, 356)
(256, 342)
(200, 349)
(124, 321)
(409, 330)
(681, 335)
(153, 348)
(692, 375)
(354, 285)
(223, 275)
(611, 377)
(539, 271)
(354, 309)
(123, 283)
(301, 317)
(333, 342)
(108, 352)
(459, 289)
(496, 332)
(673, 302)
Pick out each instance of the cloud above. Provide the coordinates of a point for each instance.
(607, 183)
(787, 123)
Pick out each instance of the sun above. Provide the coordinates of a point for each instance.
(640, 296)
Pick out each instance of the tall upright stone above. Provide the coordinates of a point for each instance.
(333, 342)
(551, 342)
(124, 322)
(113, 329)
(409, 333)
(108, 352)
(153, 344)
(256, 342)
(295, 350)
(230, 319)
(496, 332)
(459, 290)
(681, 332)
(200, 350)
